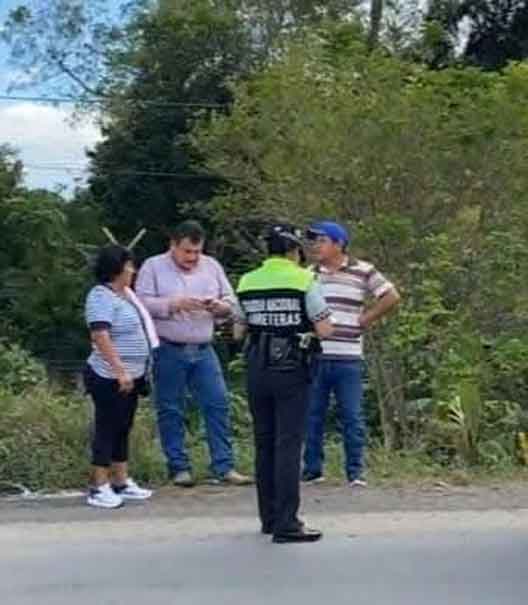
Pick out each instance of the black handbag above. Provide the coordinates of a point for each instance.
(143, 386)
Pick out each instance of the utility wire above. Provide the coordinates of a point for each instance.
(151, 173)
(70, 168)
(59, 100)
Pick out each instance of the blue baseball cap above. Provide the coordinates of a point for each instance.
(334, 231)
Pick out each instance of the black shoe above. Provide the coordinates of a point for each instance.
(267, 528)
(308, 477)
(303, 534)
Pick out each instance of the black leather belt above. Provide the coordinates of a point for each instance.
(181, 345)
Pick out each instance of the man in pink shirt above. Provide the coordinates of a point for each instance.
(186, 292)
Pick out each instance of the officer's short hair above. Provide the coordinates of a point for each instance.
(282, 238)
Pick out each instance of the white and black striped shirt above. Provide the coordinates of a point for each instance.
(106, 310)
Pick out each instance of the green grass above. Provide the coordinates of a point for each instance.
(45, 444)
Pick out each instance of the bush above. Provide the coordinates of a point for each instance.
(19, 370)
(44, 438)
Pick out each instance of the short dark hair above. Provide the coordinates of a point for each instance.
(282, 238)
(191, 230)
(281, 247)
(110, 262)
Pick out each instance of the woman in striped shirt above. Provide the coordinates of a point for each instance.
(122, 337)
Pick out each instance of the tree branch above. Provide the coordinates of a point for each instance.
(77, 80)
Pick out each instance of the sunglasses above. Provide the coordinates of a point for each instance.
(316, 236)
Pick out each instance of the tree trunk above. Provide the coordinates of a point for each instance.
(385, 397)
(376, 15)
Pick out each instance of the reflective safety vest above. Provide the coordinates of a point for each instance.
(273, 298)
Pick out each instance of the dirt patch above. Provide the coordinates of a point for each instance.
(322, 501)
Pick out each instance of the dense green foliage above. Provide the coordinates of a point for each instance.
(43, 272)
(427, 169)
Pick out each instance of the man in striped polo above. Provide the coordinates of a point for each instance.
(347, 283)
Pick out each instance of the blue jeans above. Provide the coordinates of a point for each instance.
(195, 368)
(343, 378)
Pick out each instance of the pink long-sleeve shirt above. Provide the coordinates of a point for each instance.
(160, 279)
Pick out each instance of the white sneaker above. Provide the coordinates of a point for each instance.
(104, 497)
(132, 491)
(357, 482)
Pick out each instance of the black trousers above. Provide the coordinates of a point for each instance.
(279, 404)
(114, 416)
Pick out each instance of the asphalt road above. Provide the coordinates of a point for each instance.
(403, 558)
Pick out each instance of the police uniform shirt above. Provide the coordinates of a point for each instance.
(284, 311)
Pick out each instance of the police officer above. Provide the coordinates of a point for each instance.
(281, 306)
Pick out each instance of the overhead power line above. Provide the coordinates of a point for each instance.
(119, 172)
(149, 102)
